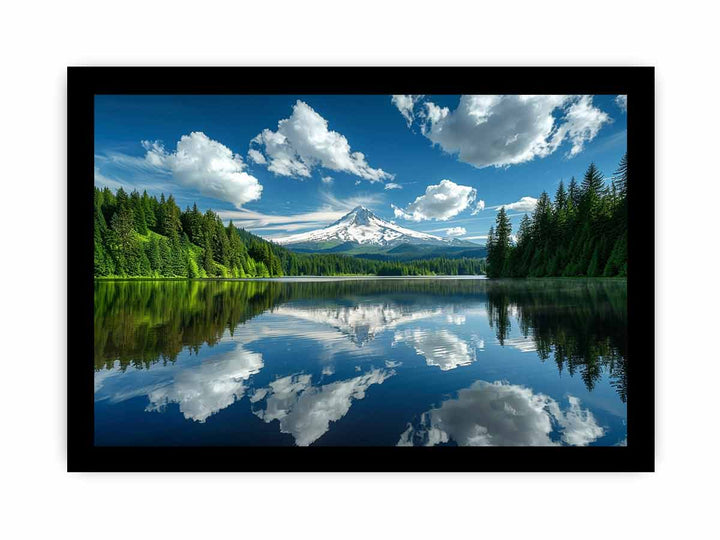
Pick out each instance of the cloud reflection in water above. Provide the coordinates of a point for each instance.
(203, 390)
(502, 414)
(440, 348)
(306, 411)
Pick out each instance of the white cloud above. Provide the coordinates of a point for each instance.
(249, 219)
(525, 204)
(306, 411)
(327, 180)
(441, 202)
(203, 390)
(502, 414)
(439, 347)
(328, 370)
(103, 181)
(349, 203)
(256, 157)
(331, 210)
(393, 185)
(498, 131)
(582, 124)
(480, 237)
(303, 141)
(479, 207)
(455, 231)
(405, 104)
(208, 166)
(621, 102)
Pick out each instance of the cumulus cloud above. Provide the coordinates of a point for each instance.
(621, 102)
(525, 204)
(392, 185)
(306, 411)
(328, 180)
(440, 202)
(203, 390)
(207, 165)
(582, 123)
(406, 104)
(479, 207)
(502, 414)
(498, 131)
(455, 231)
(439, 347)
(303, 141)
(256, 157)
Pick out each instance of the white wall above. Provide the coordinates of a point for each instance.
(40, 39)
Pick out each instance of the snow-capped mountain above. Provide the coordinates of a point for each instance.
(361, 227)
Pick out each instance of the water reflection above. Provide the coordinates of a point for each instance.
(360, 323)
(306, 411)
(501, 414)
(440, 348)
(581, 325)
(202, 390)
(272, 359)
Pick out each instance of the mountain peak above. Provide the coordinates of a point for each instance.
(360, 215)
(360, 226)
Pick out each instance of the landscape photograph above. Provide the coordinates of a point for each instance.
(360, 270)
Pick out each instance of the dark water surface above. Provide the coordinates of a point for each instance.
(361, 362)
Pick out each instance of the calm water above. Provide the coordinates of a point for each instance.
(361, 362)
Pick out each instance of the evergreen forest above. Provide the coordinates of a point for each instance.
(581, 232)
(138, 235)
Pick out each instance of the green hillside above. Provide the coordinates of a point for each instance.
(140, 236)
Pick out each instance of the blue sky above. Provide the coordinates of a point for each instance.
(284, 164)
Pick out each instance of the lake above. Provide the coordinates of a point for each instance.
(352, 362)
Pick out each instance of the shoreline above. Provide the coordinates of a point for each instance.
(290, 279)
(297, 278)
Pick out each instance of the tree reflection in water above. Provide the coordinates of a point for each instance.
(580, 324)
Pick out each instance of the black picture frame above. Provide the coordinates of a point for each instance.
(636, 82)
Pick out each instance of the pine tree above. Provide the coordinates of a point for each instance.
(620, 177)
(499, 245)
(208, 264)
(593, 186)
(152, 250)
(574, 193)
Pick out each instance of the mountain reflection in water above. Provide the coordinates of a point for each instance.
(361, 362)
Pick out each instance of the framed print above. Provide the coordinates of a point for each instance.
(361, 269)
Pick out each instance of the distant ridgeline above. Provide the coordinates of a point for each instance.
(583, 232)
(141, 236)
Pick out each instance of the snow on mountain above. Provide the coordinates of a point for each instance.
(361, 226)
